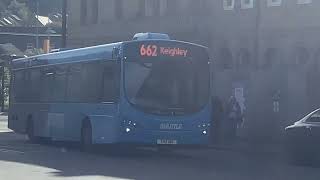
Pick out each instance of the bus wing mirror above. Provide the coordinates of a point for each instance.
(115, 53)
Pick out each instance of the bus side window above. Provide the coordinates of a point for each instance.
(47, 79)
(59, 83)
(110, 90)
(53, 85)
(91, 78)
(11, 87)
(34, 85)
(19, 80)
(76, 86)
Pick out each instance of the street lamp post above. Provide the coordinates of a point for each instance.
(37, 24)
(257, 33)
(64, 23)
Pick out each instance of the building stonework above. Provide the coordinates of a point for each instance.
(266, 52)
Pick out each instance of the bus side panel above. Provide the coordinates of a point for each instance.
(41, 123)
(104, 129)
(72, 124)
(17, 119)
(37, 113)
(105, 123)
(66, 121)
(20, 114)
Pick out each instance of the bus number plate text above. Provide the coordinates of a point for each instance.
(166, 141)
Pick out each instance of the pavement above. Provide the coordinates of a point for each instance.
(20, 159)
(249, 147)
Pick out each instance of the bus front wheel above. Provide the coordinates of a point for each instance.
(86, 137)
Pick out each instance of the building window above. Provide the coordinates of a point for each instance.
(270, 58)
(302, 56)
(163, 7)
(142, 8)
(199, 7)
(225, 59)
(304, 1)
(172, 7)
(95, 11)
(84, 13)
(30, 46)
(52, 45)
(150, 7)
(272, 3)
(246, 4)
(155, 7)
(244, 59)
(118, 9)
(228, 4)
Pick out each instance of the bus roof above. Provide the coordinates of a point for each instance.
(69, 56)
(176, 41)
(78, 55)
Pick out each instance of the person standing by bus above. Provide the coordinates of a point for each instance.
(234, 117)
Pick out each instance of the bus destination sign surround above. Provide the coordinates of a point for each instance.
(155, 51)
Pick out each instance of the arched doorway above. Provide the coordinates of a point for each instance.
(243, 59)
(225, 59)
(301, 56)
(270, 58)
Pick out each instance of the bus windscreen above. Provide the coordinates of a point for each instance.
(165, 78)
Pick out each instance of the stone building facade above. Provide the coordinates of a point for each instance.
(266, 52)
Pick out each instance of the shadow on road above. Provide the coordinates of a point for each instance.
(65, 160)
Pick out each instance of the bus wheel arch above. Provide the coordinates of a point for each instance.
(86, 135)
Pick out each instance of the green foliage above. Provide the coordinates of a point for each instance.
(6, 85)
(25, 9)
(33, 52)
(20, 9)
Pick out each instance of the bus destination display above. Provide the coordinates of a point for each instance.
(152, 50)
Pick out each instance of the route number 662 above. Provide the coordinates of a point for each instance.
(149, 50)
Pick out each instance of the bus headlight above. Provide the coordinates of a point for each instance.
(129, 126)
(203, 125)
(204, 128)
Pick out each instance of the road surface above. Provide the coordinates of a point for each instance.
(20, 159)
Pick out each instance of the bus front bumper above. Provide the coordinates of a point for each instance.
(172, 138)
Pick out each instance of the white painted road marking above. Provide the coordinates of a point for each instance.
(10, 151)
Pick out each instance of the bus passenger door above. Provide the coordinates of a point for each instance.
(104, 115)
(109, 103)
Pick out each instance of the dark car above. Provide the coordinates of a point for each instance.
(303, 138)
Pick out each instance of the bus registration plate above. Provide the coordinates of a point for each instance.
(166, 141)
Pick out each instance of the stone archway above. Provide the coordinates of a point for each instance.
(270, 58)
(243, 59)
(301, 56)
(225, 60)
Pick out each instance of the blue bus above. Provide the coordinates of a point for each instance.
(147, 91)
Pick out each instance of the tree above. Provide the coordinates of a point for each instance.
(21, 9)
(45, 6)
(33, 52)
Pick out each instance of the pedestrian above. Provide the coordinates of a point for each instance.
(233, 119)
